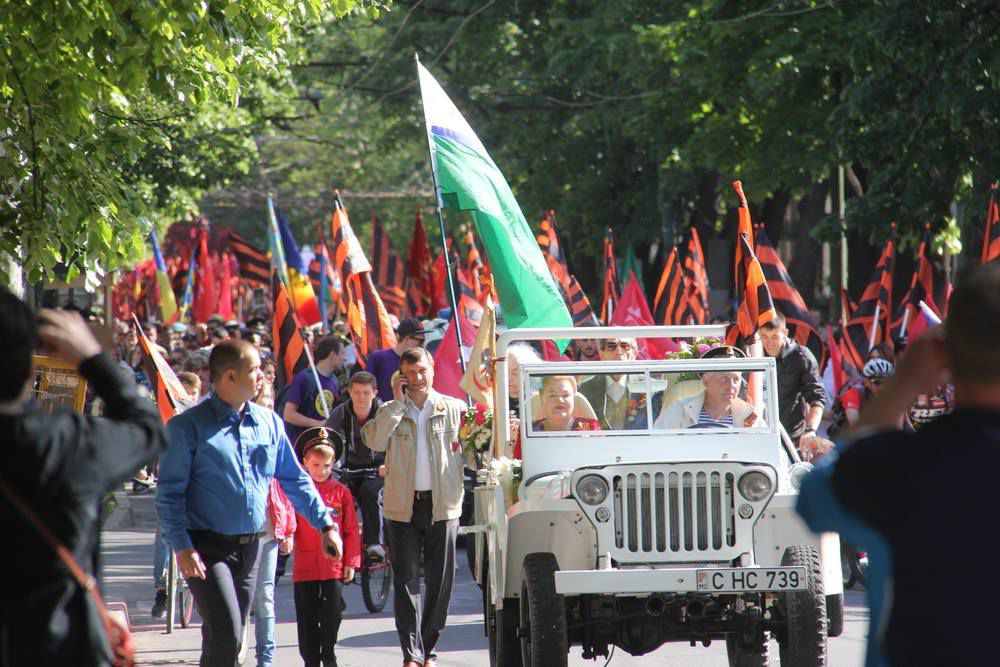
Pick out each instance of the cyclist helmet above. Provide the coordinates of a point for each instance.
(878, 368)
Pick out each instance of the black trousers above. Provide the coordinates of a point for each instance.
(366, 490)
(224, 595)
(419, 626)
(319, 607)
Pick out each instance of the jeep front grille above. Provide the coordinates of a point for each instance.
(688, 514)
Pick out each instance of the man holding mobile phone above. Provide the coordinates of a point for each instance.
(422, 501)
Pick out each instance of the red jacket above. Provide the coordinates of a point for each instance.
(280, 511)
(311, 562)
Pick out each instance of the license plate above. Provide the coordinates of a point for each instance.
(752, 579)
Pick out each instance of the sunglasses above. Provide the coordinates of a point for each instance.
(624, 347)
(876, 383)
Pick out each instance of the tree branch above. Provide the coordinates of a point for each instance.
(35, 176)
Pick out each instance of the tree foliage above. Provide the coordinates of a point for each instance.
(117, 112)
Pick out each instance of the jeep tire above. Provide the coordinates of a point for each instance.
(835, 615)
(803, 643)
(544, 641)
(505, 647)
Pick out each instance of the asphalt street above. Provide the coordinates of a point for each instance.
(370, 639)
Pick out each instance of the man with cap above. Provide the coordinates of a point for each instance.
(383, 363)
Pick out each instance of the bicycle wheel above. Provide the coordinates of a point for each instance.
(375, 583)
(185, 603)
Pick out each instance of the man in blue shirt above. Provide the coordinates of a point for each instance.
(212, 495)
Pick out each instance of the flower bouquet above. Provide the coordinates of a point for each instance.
(693, 350)
(507, 474)
(476, 430)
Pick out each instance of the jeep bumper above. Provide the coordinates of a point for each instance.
(681, 580)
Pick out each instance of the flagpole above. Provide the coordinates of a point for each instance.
(444, 241)
(319, 385)
(874, 329)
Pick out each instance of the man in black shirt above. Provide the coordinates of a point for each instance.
(61, 465)
(931, 494)
(801, 396)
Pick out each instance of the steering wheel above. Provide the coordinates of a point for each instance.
(710, 425)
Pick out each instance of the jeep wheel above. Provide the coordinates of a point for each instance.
(835, 615)
(543, 614)
(505, 648)
(742, 655)
(803, 643)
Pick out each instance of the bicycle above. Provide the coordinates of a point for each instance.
(179, 597)
(376, 576)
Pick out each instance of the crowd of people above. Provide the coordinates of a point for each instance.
(245, 475)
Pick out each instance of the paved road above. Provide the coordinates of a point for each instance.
(369, 640)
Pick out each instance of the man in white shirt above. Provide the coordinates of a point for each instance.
(422, 499)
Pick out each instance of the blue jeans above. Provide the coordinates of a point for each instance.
(263, 603)
(161, 556)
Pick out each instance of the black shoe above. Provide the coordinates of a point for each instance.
(160, 604)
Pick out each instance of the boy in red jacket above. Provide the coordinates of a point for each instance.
(318, 578)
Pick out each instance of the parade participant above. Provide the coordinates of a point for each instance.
(192, 383)
(876, 372)
(318, 580)
(383, 363)
(614, 405)
(557, 406)
(418, 430)
(587, 349)
(347, 420)
(222, 456)
(303, 407)
(197, 363)
(801, 396)
(879, 476)
(60, 465)
(718, 405)
(517, 355)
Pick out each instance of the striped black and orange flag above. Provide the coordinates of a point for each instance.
(744, 228)
(756, 307)
(367, 318)
(475, 268)
(167, 390)
(991, 240)
(869, 323)
(471, 308)
(696, 275)
(255, 267)
(553, 250)
(921, 289)
(579, 305)
(286, 336)
(612, 289)
(787, 299)
(389, 273)
(670, 302)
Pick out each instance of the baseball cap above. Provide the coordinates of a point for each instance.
(410, 327)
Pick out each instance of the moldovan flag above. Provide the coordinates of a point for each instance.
(478, 379)
(633, 311)
(469, 180)
(168, 303)
(299, 288)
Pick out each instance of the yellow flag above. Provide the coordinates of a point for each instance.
(478, 379)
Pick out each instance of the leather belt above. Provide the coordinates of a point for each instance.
(244, 538)
(421, 495)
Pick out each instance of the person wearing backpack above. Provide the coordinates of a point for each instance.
(59, 466)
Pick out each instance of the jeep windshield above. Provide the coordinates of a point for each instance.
(645, 398)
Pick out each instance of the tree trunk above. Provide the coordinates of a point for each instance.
(805, 265)
(772, 214)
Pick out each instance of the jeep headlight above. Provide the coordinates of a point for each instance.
(592, 489)
(797, 472)
(755, 486)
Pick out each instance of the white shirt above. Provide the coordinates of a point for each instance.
(422, 480)
(616, 388)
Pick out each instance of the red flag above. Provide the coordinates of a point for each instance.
(206, 294)
(633, 311)
(991, 240)
(226, 289)
(447, 366)
(420, 275)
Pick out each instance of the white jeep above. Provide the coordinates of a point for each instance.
(649, 533)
